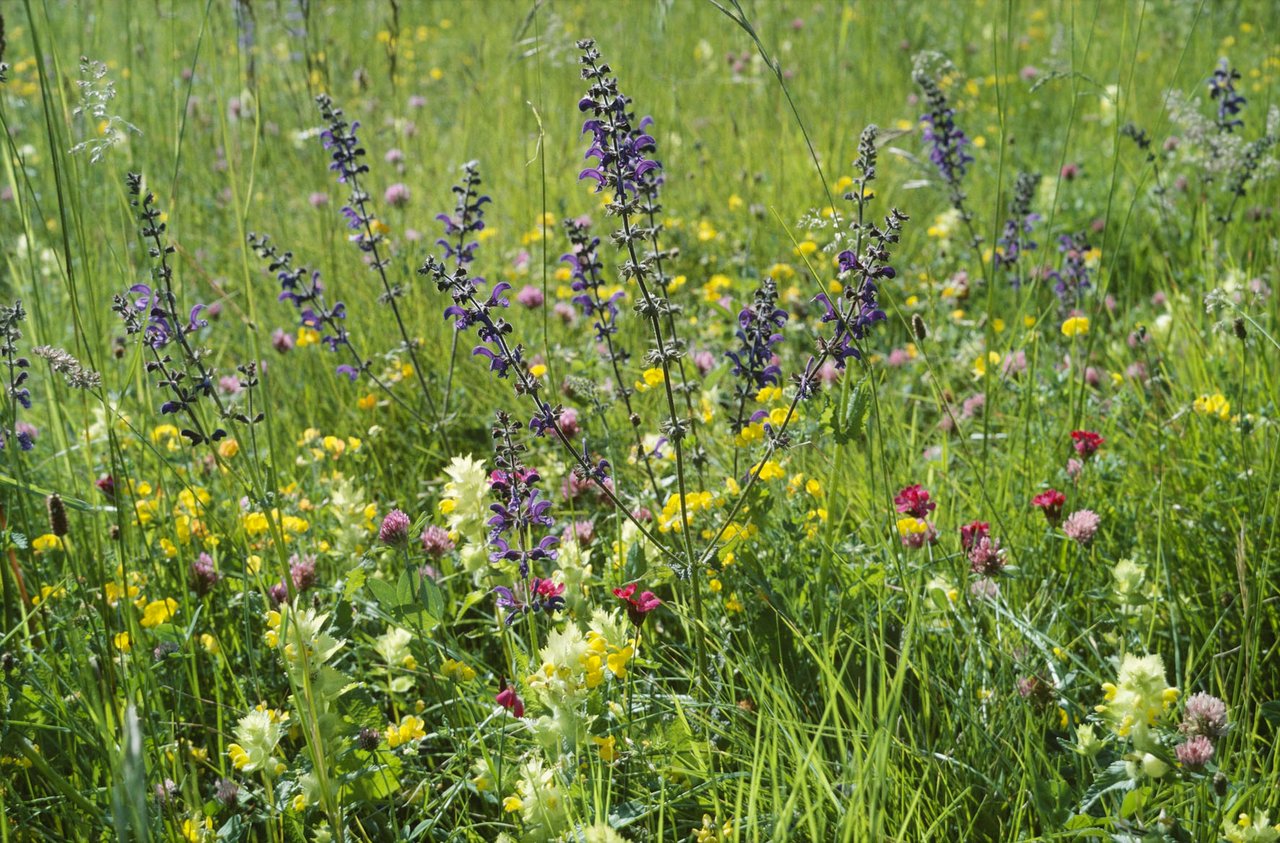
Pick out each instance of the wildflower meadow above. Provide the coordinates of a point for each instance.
(650, 420)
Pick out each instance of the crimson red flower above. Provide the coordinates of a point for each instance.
(510, 700)
(637, 607)
(1086, 442)
(971, 532)
(914, 501)
(1050, 502)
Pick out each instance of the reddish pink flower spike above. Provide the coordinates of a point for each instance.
(1086, 442)
(510, 700)
(970, 533)
(914, 501)
(1050, 502)
(637, 607)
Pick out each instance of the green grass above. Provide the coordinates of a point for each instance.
(807, 676)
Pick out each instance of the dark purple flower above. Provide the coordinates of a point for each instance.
(1014, 240)
(1073, 279)
(948, 146)
(1222, 87)
(759, 330)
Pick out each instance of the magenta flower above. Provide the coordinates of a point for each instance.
(1086, 442)
(973, 531)
(510, 700)
(914, 501)
(637, 607)
(395, 528)
(1050, 502)
(1081, 526)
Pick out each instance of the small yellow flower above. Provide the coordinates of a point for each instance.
(1213, 405)
(228, 449)
(158, 612)
(45, 543)
(410, 728)
(1076, 326)
(457, 671)
(608, 748)
(367, 402)
(538, 370)
(650, 378)
(122, 642)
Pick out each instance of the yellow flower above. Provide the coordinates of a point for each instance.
(228, 449)
(538, 370)
(608, 748)
(907, 525)
(1076, 326)
(1206, 405)
(980, 364)
(158, 612)
(771, 470)
(650, 378)
(617, 662)
(457, 671)
(367, 402)
(410, 728)
(122, 642)
(45, 543)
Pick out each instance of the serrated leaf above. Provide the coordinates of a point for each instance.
(355, 581)
(1134, 801)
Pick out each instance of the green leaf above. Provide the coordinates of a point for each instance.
(355, 581)
(383, 592)
(1134, 801)
(853, 416)
(433, 597)
(1271, 712)
(404, 590)
(472, 598)
(635, 559)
